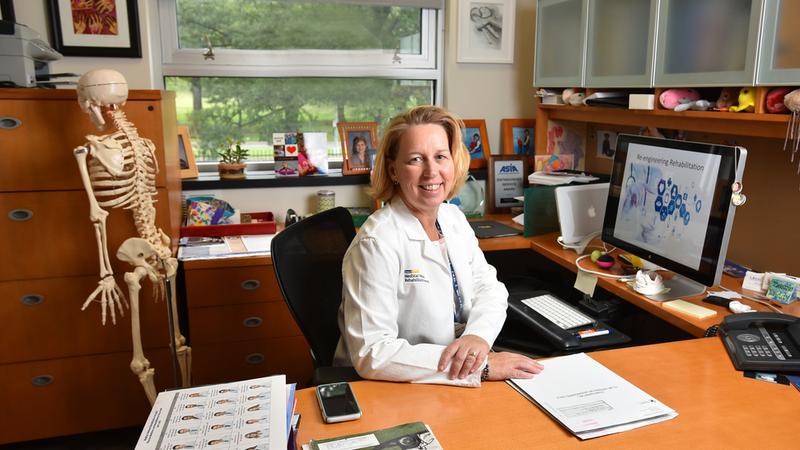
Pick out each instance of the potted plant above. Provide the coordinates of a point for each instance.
(231, 161)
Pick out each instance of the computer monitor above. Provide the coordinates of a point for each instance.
(669, 202)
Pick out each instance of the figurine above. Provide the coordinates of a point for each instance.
(672, 98)
(725, 99)
(774, 103)
(747, 101)
(119, 170)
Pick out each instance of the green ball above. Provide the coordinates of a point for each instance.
(596, 254)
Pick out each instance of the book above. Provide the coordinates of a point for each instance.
(408, 435)
(244, 414)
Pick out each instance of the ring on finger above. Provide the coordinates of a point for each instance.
(472, 354)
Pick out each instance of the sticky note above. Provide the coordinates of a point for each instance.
(585, 282)
(691, 309)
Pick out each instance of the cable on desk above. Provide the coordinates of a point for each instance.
(760, 302)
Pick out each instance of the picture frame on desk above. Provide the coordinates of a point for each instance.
(476, 140)
(103, 31)
(507, 178)
(359, 143)
(517, 136)
(186, 154)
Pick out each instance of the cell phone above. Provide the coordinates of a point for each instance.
(337, 402)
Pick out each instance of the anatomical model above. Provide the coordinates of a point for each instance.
(119, 171)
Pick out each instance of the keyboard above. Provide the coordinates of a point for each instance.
(558, 312)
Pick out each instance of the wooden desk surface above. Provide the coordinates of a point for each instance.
(717, 407)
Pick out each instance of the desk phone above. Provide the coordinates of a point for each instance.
(762, 341)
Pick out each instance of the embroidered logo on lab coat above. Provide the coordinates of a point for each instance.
(414, 276)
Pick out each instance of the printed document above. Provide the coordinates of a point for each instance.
(589, 399)
(240, 415)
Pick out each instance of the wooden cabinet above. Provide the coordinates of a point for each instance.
(239, 324)
(66, 372)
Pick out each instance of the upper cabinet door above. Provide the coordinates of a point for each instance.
(620, 43)
(707, 42)
(779, 61)
(560, 43)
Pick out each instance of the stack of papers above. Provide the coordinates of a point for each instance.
(224, 247)
(255, 413)
(589, 399)
(557, 178)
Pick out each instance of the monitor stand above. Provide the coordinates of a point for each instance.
(679, 287)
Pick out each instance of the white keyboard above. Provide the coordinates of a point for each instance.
(558, 312)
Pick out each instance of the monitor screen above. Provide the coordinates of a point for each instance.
(670, 203)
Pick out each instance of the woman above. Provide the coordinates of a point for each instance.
(420, 303)
(359, 156)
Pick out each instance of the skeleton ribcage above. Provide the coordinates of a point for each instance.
(135, 185)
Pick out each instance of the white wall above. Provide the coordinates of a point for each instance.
(474, 91)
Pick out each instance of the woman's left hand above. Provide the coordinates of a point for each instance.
(465, 355)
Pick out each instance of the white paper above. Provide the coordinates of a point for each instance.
(258, 242)
(244, 414)
(589, 399)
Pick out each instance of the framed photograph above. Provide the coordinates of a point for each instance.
(359, 144)
(477, 142)
(7, 10)
(507, 179)
(518, 136)
(606, 144)
(486, 31)
(185, 154)
(108, 28)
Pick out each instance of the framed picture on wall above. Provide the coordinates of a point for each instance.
(506, 179)
(517, 136)
(359, 143)
(486, 31)
(185, 154)
(7, 10)
(477, 142)
(107, 29)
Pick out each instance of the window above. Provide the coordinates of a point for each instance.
(244, 69)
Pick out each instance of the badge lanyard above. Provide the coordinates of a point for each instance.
(459, 300)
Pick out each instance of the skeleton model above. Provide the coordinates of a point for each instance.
(119, 171)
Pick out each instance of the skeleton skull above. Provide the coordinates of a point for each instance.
(98, 88)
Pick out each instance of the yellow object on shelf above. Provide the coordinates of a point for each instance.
(691, 309)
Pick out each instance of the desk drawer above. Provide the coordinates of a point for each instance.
(235, 285)
(219, 363)
(241, 322)
(43, 320)
(89, 393)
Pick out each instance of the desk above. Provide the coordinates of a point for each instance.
(546, 246)
(717, 407)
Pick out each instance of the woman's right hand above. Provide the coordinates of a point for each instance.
(505, 365)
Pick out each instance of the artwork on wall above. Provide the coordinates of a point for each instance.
(486, 31)
(606, 144)
(476, 141)
(7, 10)
(108, 28)
(359, 143)
(567, 138)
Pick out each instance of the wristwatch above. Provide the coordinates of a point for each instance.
(485, 371)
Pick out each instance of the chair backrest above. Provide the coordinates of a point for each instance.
(307, 257)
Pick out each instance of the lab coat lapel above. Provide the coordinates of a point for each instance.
(415, 232)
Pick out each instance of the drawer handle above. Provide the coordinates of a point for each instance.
(251, 284)
(42, 380)
(252, 322)
(9, 123)
(254, 358)
(20, 215)
(32, 299)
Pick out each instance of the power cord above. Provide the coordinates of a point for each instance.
(760, 302)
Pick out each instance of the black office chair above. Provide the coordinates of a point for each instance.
(307, 257)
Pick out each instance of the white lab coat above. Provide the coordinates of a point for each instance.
(397, 308)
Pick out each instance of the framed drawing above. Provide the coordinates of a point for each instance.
(7, 10)
(109, 28)
(477, 142)
(185, 154)
(507, 178)
(359, 143)
(486, 31)
(517, 136)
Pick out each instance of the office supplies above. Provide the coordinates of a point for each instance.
(581, 210)
(406, 436)
(337, 403)
(684, 307)
(590, 400)
(717, 300)
(489, 229)
(24, 57)
(670, 203)
(641, 101)
(767, 342)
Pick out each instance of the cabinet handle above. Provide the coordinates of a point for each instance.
(9, 123)
(32, 299)
(20, 215)
(251, 284)
(42, 380)
(254, 358)
(252, 322)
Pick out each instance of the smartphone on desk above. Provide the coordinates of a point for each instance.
(337, 402)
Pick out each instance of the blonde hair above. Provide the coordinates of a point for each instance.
(382, 187)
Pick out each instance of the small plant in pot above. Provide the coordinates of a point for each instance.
(231, 161)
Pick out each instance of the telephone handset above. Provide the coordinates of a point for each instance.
(762, 341)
